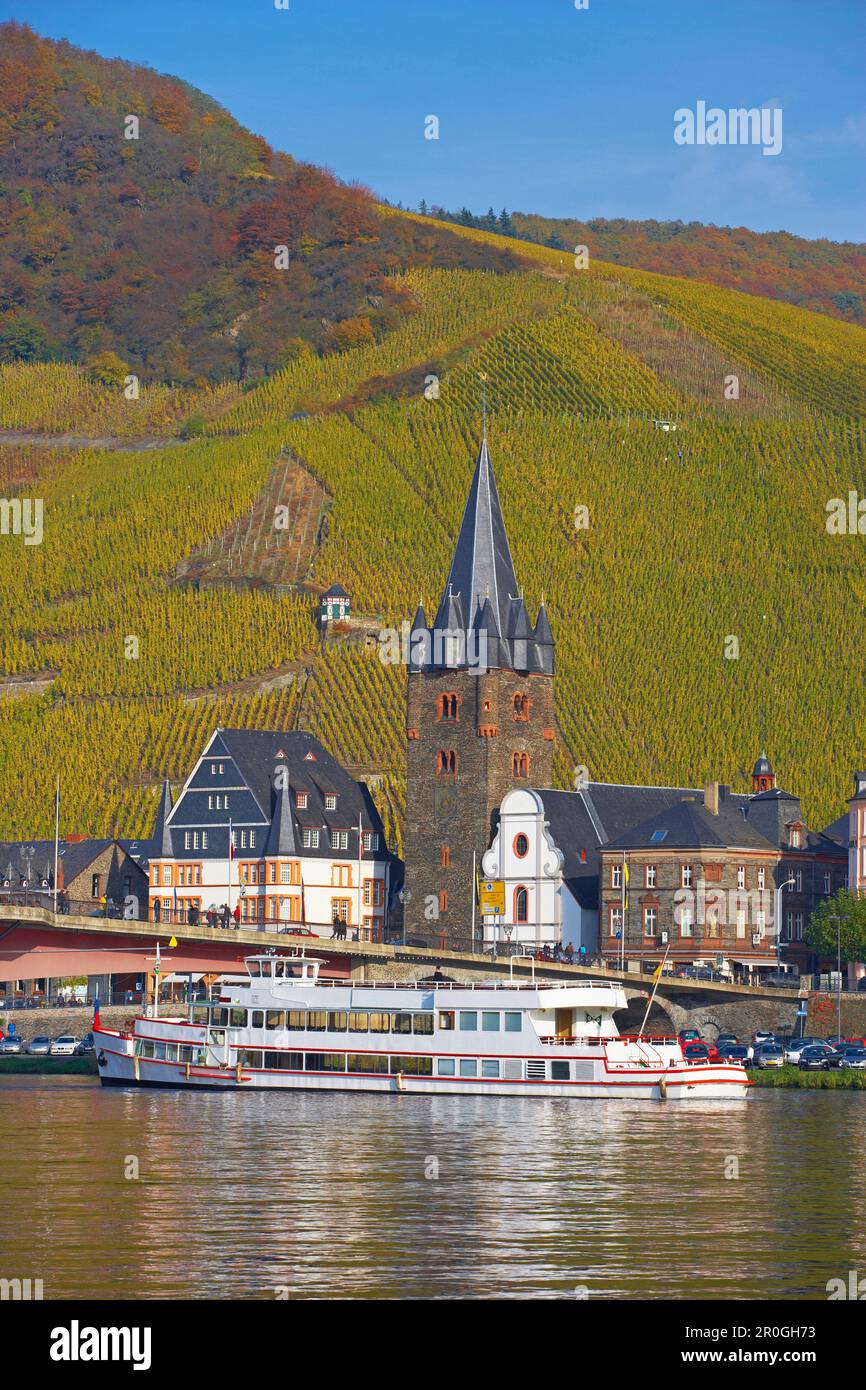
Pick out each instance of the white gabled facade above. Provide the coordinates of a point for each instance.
(307, 846)
(540, 907)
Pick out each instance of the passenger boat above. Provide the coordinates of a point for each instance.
(281, 1027)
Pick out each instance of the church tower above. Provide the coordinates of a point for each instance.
(480, 715)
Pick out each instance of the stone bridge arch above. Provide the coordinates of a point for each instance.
(711, 1014)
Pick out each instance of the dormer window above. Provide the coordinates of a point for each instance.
(796, 837)
(302, 801)
(330, 802)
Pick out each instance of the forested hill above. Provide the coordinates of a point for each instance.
(826, 276)
(161, 248)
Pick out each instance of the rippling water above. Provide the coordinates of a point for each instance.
(241, 1195)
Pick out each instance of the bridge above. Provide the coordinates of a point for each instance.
(36, 943)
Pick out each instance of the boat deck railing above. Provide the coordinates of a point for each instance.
(506, 986)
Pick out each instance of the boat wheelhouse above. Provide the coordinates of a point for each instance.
(282, 1027)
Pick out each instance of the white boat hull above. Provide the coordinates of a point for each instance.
(118, 1066)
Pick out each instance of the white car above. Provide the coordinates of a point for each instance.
(795, 1046)
(64, 1047)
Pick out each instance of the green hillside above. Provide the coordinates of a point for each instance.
(611, 398)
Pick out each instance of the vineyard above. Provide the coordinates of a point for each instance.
(653, 547)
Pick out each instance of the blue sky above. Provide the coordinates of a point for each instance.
(542, 107)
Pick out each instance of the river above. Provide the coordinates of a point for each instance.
(260, 1195)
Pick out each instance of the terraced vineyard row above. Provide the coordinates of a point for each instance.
(64, 399)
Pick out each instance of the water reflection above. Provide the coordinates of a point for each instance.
(338, 1196)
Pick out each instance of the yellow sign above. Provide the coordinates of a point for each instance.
(492, 898)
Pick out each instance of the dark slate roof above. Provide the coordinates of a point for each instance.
(585, 820)
(335, 591)
(690, 825)
(249, 757)
(482, 562)
(838, 830)
(75, 856)
(481, 597)
(762, 766)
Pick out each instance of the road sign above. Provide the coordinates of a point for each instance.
(493, 898)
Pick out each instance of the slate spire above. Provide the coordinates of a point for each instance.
(482, 562)
(161, 838)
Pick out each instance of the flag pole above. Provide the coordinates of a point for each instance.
(624, 898)
(657, 977)
(474, 885)
(56, 838)
(231, 861)
(360, 848)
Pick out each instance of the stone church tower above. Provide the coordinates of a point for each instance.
(480, 716)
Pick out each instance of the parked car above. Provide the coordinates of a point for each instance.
(839, 1053)
(687, 1035)
(85, 1046)
(781, 979)
(295, 931)
(769, 1055)
(726, 1039)
(758, 1038)
(11, 1046)
(734, 1052)
(853, 1058)
(795, 1046)
(696, 1052)
(63, 1046)
(815, 1058)
(39, 1046)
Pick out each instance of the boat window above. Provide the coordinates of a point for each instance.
(445, 1066)
(145, 1049)
(219, 1017)
(513, 1022)
(199, 1055)
(296, 1019)
(171, 1052)
(159, 1051)
(413, 1066)
(275, 1018)
(367, 1062)
(317, 1020)
(490, 1022)
(380, 1023)
(278, 969)
(358, 1023)
(338, 1022)
(468, 1066)
(422, 1023)
(468, 1021)
(559, 1071)
(489, 1067)
(254, 968)
(446, 1020)
(239, 1018)
(199, 1013)
(326, 1061)
(512, 1070)
(401, 1023)
(258, 1020)
(284, 1061)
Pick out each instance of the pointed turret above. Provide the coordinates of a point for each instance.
(449, 631)
(520, 636)
(281, 839)
(420, 653)
(160, 840)
(543, 643)
(763, 776)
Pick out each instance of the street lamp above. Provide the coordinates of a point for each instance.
(838, 920)
(787, 884)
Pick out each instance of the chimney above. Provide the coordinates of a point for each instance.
(711, 797)
(859, 786)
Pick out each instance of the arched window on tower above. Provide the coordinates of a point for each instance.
(520, 765)
(521, 904)
(521, 707)
(446, 763)
(449, 705)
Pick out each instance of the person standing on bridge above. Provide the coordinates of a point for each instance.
(237, 914)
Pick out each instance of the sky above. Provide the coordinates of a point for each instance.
(541, 106)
